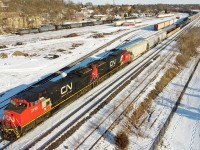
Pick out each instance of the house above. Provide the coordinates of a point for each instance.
(100, 17)
(86, 12)
(2, 6)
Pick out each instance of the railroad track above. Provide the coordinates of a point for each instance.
(89, 108)
(97, 127)
(68, 117)
(150, 58)
(49, 77)
(56, 35)
(125, 103)
(72, 113)
(4, 144)
(89, 138)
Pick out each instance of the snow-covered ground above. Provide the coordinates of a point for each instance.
(17, 73)
(183, 132)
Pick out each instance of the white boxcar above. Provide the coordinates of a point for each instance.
(171, 21)
(164, 15)
(137, 49)
(119, 23)
(138, 20)
(152, 41)
(130, 20)
(161, 36)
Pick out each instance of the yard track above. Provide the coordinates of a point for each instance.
(61, 131)
(50, 77)
(98, 127)
(89, 138)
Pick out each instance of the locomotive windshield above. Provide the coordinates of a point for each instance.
(19, 103)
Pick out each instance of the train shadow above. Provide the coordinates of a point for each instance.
(149, 28)
(108, 135)
(182, 110)
(190, 88)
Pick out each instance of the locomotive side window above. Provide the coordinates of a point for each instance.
(47, 103)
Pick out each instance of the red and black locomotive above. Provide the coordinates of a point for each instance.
(32, 106)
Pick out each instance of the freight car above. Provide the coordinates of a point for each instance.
(137, 49)
(119, 23)
(63, 26)
(23, 31)
(173, 31)
(164, 15)
(125, 22)
(107, 21)
(128, 24)
(89, 23)
(27, 31)
(141, 45)
(30, 107)
(161, 25)
(152, 41)
(99, 22)
(76, 25)
(45, 28)
(34, 30)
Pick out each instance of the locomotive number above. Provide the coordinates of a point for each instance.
(34, 109)
(112, 63)
(66, 89)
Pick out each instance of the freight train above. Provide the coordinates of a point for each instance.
(34, 105)
(30, 107)
(164, 24)
(45, 28)
(181, 22)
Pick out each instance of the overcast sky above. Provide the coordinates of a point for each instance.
(99, 2)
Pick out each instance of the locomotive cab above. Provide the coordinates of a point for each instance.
(18, 116)
(10, 125)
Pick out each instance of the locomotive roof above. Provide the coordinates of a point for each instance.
(32, 94)
(15, 109)
(81, 71)
(28, 96)
(98, 62)
(129, 43)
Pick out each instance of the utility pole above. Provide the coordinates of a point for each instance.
(113, 2)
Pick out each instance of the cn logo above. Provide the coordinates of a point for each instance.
(66, 89)
(112, 63)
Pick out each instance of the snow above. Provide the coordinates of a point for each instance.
(29, 71)
(184, 129)
(76, 105)
(105, 117)
(161, 107)
(16, 73)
